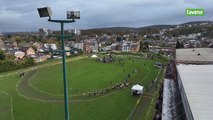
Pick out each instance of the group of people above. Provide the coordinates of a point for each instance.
(107, 90)
(158, 106)
(121, 85)
(170, 70)
(106, 59)
(126, 83)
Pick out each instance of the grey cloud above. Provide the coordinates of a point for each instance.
(21, 15)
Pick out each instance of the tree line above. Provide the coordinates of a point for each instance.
(7, 62)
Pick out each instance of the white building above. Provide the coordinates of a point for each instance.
(50, 46)
(67, 49)
(107, 48)
(126, 46)
(75, 31)
(45, 31)
(94, 46)
(79, 46)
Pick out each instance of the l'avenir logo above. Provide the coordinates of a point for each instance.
(195, 12)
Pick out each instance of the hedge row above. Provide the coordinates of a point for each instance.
(8, 65)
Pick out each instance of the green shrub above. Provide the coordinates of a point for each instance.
(7, 65)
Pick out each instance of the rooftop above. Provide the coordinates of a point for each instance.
(194, 55)
(197, 82)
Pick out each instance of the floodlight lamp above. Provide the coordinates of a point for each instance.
(44, 12)
(73, 14)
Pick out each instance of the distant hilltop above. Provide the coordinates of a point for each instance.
(142, 30)
(129, 29)
(154, 26)
(197, 22)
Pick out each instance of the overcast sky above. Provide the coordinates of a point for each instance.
(22, 15)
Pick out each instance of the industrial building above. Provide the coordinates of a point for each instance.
(195, 81)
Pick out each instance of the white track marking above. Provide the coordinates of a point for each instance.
(11, 101)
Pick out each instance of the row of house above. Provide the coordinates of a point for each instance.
(124, 46)
(34, 50)
(92, 46)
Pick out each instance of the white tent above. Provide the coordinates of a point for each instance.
(94, 56)
(137, 89)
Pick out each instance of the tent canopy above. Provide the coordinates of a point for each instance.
(137, 87)
(94, 56)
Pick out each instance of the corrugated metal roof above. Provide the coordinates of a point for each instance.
(197, 81)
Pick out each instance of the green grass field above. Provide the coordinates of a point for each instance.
(39, 95)
(83, 75)
(5, 109)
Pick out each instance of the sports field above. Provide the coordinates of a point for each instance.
(95, 90)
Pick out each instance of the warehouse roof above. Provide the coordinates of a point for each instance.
(197, 81)
(196, 54)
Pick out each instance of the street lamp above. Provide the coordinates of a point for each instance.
(46, 12)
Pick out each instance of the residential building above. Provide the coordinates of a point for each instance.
(68, 49)
(45, 31)
(135, 47)
(2, 45)
(87, 48)
(193, 44)
(114, 47)
(74, 31)
(124, 46)
(90, 46)
(49, 47)
(38, 45)
(79, 46)
(30, 51)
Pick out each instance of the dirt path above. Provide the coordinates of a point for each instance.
(25, 90)
(146, 101)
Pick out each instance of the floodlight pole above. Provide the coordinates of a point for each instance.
(46, 12)
(66, 99)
